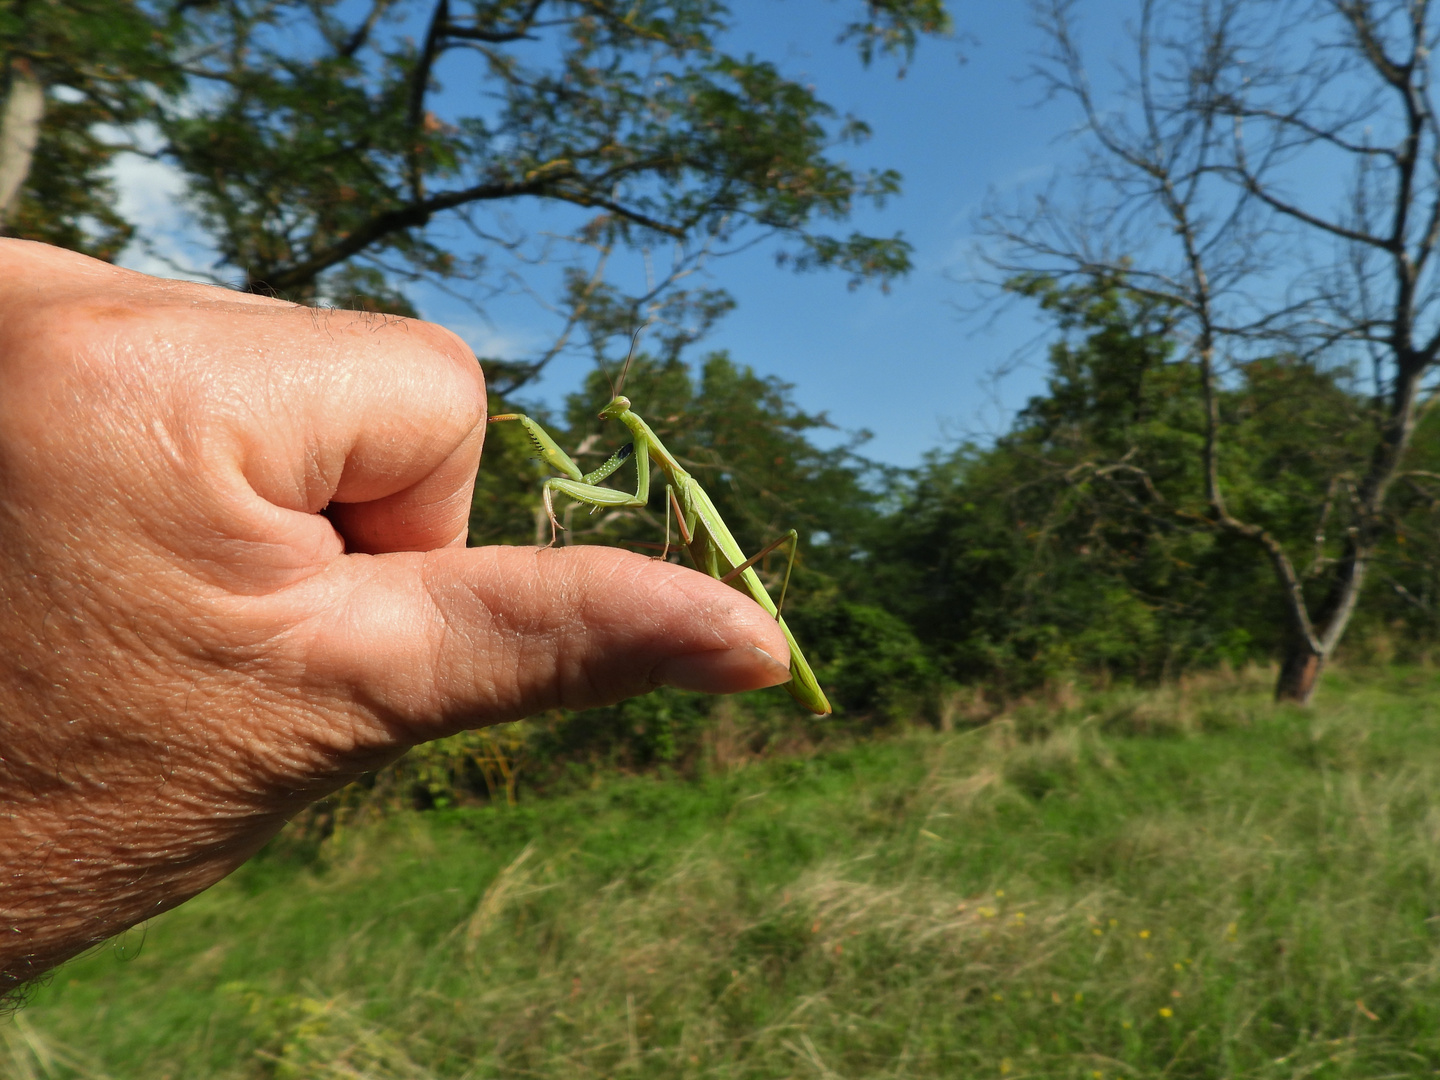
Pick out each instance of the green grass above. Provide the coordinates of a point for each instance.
(1183, 883)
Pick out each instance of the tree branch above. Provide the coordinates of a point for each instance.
(356, 41)
(520, 29)
(419, 87)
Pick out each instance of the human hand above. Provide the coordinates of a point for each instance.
(233, 577)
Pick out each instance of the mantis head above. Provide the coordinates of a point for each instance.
(618, 406)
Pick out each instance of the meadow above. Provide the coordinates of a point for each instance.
(1181, 882)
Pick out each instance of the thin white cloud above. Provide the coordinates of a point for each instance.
(151, 195)
(491, 340)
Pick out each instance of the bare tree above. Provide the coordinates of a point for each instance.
(1270, 170)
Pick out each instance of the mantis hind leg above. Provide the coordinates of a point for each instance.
(685, 534)
(793, 539)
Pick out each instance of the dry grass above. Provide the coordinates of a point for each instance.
(1190, 883)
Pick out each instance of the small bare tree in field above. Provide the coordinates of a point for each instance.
(1270, 171)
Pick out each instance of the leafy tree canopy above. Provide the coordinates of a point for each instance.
(1083, 538)
(1198, 188)
(93, 67)
(340, 149)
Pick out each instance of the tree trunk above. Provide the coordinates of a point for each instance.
(19, 133)
(1305, 655)
(1299, 672)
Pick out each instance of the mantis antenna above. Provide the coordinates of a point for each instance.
(634, 341)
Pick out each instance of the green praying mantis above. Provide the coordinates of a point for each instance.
(703, 531)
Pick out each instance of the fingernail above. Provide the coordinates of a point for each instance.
(722, 671)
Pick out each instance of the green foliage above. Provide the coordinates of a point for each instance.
(1187, 883)
(505, 508)
(663, 728)
(867, 658)
(1079, 543)
(338, 152)
(318, 133)
(895, 26)
(365, 288)
(1402, 617)
(101, 63)
(744, 439)
(1082, 539)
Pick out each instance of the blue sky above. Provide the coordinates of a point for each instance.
(910, 366)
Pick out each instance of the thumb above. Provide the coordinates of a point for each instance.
(428, 643)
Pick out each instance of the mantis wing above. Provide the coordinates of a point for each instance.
(716, 553)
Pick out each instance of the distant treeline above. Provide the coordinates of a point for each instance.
(1076, 545)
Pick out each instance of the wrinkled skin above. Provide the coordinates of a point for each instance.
(233, 576)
